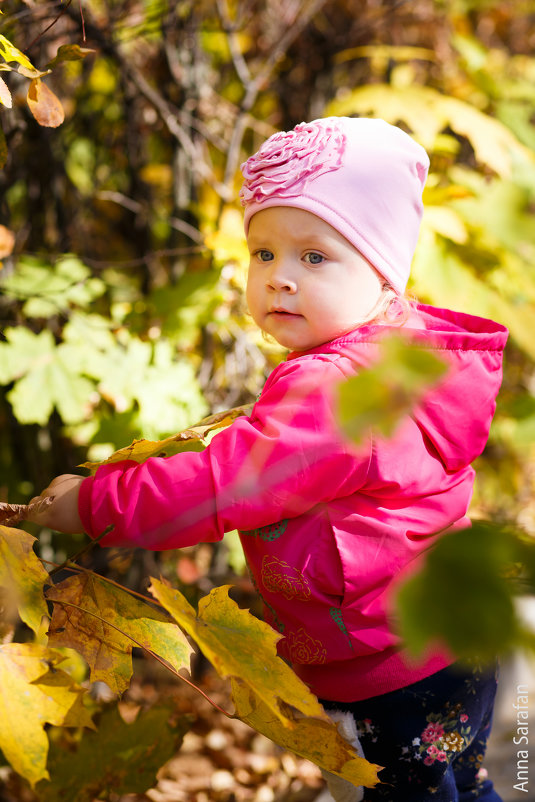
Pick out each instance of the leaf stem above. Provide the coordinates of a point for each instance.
(160, 660)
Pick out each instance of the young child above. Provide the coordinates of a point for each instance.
(332, 212)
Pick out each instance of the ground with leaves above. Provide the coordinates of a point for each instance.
(221, 760)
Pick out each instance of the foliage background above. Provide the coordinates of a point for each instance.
(122, 292)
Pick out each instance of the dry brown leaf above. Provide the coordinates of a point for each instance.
(44, 104)
(11, 514)
(5, 94)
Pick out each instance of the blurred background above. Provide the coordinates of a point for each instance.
(123, 258)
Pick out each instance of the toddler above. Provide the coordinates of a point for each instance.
(332, 212)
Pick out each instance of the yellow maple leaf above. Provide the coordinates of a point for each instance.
(35, 692)
(239, 645)
(189, 439)
(103, 622)
(312, 738)
(22, 576)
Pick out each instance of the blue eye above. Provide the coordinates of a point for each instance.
(264, 255)
(314, 258)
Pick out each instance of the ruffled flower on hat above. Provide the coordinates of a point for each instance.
(288, 160)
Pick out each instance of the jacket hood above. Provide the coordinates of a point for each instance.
(457, 413)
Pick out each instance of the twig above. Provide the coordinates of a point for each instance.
(61, 13)
(253, 85)
(163, 662)
(86, 549)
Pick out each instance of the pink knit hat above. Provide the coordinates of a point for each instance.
(362, 176)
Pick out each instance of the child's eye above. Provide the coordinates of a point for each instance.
(264, 255)
(314, 258)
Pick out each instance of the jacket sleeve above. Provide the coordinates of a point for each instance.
(280, 462)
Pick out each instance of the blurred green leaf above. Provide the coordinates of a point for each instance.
(51, 289)
(381, 395)
(464, 594)
(45, 377)
(123, 757)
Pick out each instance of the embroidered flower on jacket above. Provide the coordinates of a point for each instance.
(305, 649)
(279, 577)
(287, 160)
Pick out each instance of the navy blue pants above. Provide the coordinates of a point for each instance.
(430, 737)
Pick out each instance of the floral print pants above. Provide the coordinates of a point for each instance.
(430, 737)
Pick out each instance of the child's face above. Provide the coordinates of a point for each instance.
(307, 284)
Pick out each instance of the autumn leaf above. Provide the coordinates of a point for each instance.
(316, 739)
(22, 575)
(69, 53)
(123, 757)
(191, 439)
(9, 52)
(35, 692)
(5, 94)
(103, 622)
(7, 237)
(239, 645)
(11, 514)
(44, 104)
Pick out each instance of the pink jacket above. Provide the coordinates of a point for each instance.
(326, 528)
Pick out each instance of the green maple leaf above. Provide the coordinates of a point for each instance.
(46, 376)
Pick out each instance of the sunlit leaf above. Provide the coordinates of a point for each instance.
(453, 284)
(22, 575)
(104, 622)
(44, 104)
(312, 738)
(9, 52)
(5, 94)
(46, 376)
(35, 692)
(239, 645)
(7, 237)
(123, 757)
(190, 439)
(428, 112)
(51, 288)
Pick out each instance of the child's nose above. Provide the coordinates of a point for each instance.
(281, 280)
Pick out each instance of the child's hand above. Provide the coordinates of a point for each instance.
(62, 513)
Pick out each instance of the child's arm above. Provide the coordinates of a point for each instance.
(62, 514)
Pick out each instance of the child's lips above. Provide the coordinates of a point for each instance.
(283, 313)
